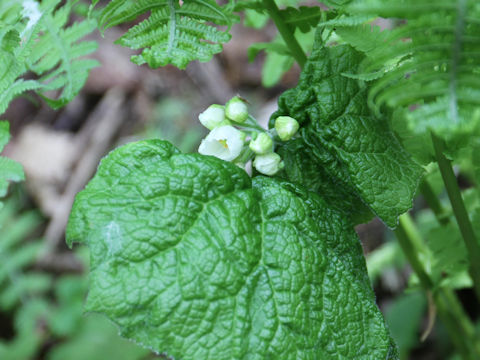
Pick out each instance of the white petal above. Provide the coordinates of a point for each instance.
(224, 142)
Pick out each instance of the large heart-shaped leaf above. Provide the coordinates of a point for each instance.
(193, 258)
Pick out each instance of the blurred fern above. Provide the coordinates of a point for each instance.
(34, 37)
(16, 255)
(9, 169)
(173, 33)
(20, 287)
(45, 310)
(428, 64)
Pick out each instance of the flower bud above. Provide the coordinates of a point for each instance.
(268, 164)
(213, 116)
(236, 110)
(262, 144)
(286, 127)
(224, 142)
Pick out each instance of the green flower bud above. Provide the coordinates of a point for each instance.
(213, 116)
(286, 127)
(236, 110)
(268, 164)
(262, 144)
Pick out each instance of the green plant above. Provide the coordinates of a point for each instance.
(34, 38)
(193, 257)
(9, 169)
(45, 309)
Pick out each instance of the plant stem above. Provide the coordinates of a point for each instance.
(459, 211)
(459, 332)
(286, 32)
(433, 203)
(408, 238)
(456, 321)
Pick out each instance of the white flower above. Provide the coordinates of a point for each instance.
(213, 116)
(268, 164)
(224, 142)
(236, 110)
(286, 127)
(262, 144)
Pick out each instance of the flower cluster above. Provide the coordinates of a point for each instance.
(237, 137)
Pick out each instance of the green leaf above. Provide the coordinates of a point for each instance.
(97, 339)
(9, 169)
(279, 58)
(191, 257)
(4, 134)
(86, 337)
(255, 19)
(37, 39)
(303, 18)
(274, 67)
(419, 145)
(302, 167)
(346, 21)
(277, 47)
(435, 78)
(21, 287)
(353, 147)
(404, 318)
(386, 257)
(364, 37)
(173, 33)
(29, 334)
(447, 257)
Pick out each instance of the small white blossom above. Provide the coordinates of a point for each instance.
(268, 164)
(262, 144)
(213, 116)
(224, 142)
(236, 110)
(286, 127)
(32, 12)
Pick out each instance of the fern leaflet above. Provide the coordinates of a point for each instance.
(429, 63)
(174, 33)
(34, 37)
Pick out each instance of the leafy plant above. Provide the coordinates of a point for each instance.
(217, 248)
(9, 169)
(20, 289)
(173, 33)
(25, 296)
(34, 38)
(437, 63)
(192, 256)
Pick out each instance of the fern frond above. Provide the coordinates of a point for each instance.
(429, 63)
(9, 169)
(16, 284)
(23, 292)
(304, 17)
(34, 37)
(173, 33)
